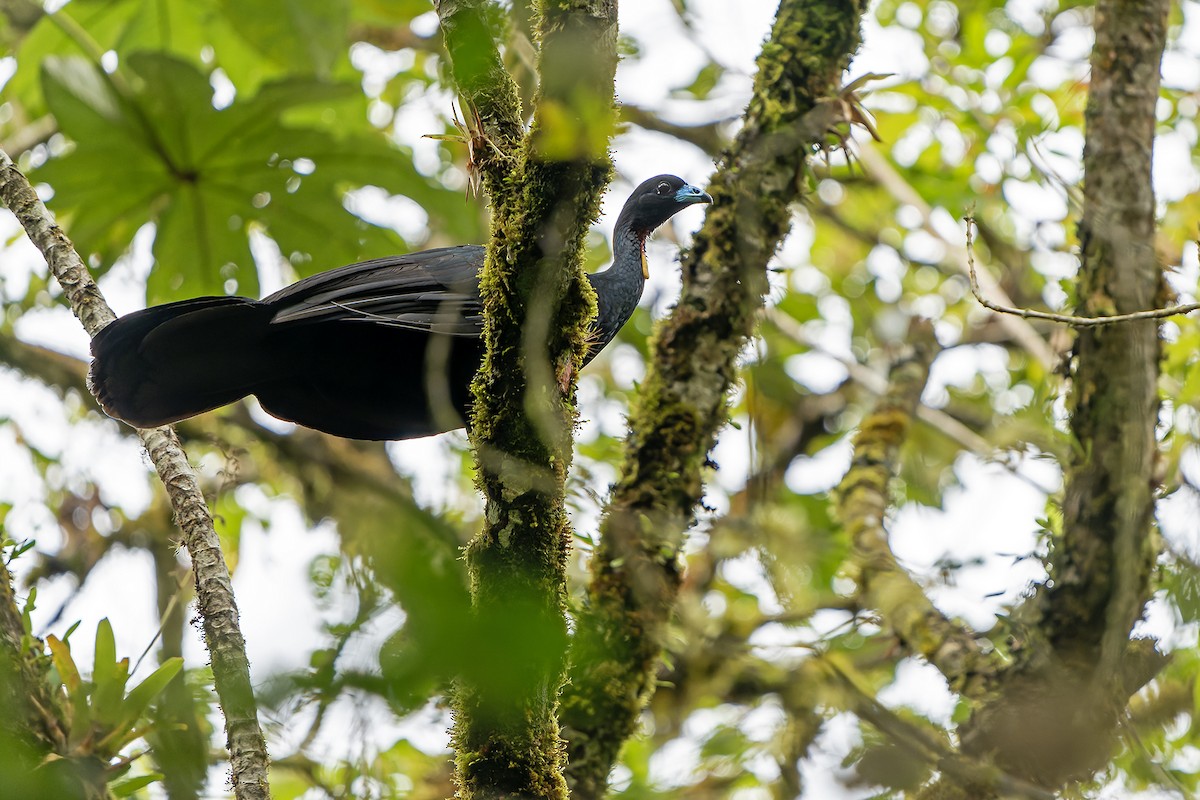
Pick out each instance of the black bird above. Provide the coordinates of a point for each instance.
(385, 349)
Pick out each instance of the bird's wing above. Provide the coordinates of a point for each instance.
(434, 290)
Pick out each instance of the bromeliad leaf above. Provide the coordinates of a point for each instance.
(129, 787)
(109, 676)
(140, 696)
(60, 653)
(103, 718)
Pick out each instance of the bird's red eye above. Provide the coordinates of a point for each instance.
(663, 189)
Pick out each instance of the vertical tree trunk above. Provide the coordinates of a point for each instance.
(1052, 717)
(545, 189)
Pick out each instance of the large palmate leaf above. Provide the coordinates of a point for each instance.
(251, 43)
(150, 147)
(305, 36)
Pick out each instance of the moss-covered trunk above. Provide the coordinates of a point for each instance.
(1052, 717)
(545, 189)
(682, 403)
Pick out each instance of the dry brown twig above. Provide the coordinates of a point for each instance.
(471, 134)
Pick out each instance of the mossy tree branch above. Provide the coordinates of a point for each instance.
(545, 190)
(682, 402)
(470, 30)
(214, 589)
(862, 500)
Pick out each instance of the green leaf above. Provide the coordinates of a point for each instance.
(209, 177)
(305, 36)
(706, 80)
(130, 786)
(141, 695)
(102, 215)
(388, 12)
(105, 665)
(60, 655)
(201, 243)
(109, 676)
(103, 20)
(27, 610)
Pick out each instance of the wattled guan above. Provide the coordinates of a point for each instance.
(385, 349)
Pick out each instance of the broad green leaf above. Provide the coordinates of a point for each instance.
(103, 21)
(207, 177)
(201, 244)
(102, 215)
(305, 36)
(388, 12)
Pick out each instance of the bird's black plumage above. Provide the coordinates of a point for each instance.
(385, 349)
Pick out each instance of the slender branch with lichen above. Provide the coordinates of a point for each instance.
(214, 589)
(1073, 320)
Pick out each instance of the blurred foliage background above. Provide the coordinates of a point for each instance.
(205, 147)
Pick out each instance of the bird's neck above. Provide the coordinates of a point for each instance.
(619, 288)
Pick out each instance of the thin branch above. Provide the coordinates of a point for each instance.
(1165, 776)
(214, 589)
(708, 136)
(979, 778)
(32, 134)
(1066, 319)
(877, 384)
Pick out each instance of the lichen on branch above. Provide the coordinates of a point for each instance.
(862, 500)
(214, 588)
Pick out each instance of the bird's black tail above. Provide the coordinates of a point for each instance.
(171, 362)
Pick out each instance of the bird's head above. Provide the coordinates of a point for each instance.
(657, 200)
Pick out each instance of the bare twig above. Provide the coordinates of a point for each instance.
(214, 589)
(1065, 319)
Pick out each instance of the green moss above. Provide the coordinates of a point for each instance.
(537, 310)
(682, 402)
